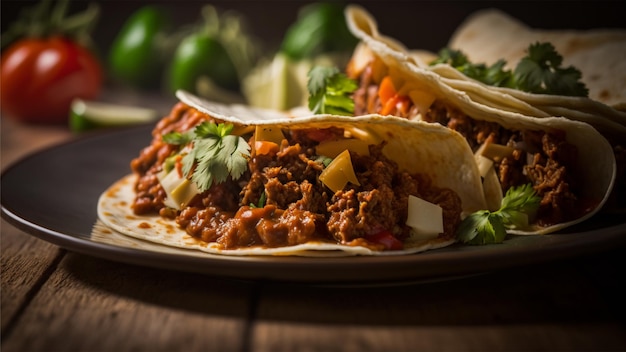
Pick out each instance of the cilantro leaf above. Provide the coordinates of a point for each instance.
(233, 146)
(177, 138)
(482, 227)
(485, 227)
(541, 72)
(454, 58)
(497, 76)
(330, 91)
(522, 198)
(215, 154)
(494, 75)
(538, 72)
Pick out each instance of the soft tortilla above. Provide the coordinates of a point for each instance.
(417, 147)
(608, 120)
(600, 54)
(510, 111)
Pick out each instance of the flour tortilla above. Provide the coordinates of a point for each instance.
(600, 54)
(512, 111)
(607, 119)
(417, 147)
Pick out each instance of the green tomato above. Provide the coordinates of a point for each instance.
(201, 55)
(136, 57)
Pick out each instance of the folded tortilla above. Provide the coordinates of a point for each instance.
(600, 54)
(438, 157)
(442, 94)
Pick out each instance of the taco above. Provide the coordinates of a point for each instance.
(516, 141)
(230, 179)
(599, 54)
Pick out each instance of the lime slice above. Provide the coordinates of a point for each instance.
(88, 115)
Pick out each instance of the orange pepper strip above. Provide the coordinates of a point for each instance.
(389, 106)
(389, 98)
(178, 164)
(386, 90)
(265, 147)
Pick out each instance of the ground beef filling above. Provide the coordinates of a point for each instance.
(146, 166)
(298, 208)
(544, 159)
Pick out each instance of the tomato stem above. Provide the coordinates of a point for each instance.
(48, 19)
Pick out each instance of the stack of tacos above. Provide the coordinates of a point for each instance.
(549, 141)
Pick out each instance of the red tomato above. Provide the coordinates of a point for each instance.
(40, 77)
(387, 239)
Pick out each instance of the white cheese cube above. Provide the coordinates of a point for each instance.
(425, 218)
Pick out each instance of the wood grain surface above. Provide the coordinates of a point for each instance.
(56, 300)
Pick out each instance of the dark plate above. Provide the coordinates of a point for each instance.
(53, 194)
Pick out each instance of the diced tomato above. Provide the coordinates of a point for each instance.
(320, 135)
(387, 239)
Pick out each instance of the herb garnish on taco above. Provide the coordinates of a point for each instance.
(570, 165)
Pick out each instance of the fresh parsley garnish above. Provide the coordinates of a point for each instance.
(330, 91)
(485, 227)
(215, 154)
(538, 72)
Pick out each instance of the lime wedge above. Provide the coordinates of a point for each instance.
(281, 83)
(267, 84)
(88, 115)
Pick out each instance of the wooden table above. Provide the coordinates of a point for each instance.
(56, 300)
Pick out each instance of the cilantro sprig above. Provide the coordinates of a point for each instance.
(330, 91)
(485, 227)
(538, 72)
(215, 154)
(493, 75)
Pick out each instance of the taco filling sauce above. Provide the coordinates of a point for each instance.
(280, 199)
(541, 158)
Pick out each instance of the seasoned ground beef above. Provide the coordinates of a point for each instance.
(150, 195)
(280, 200)
(544, 159)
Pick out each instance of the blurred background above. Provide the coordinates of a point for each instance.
(418, 24)
(264, 77)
